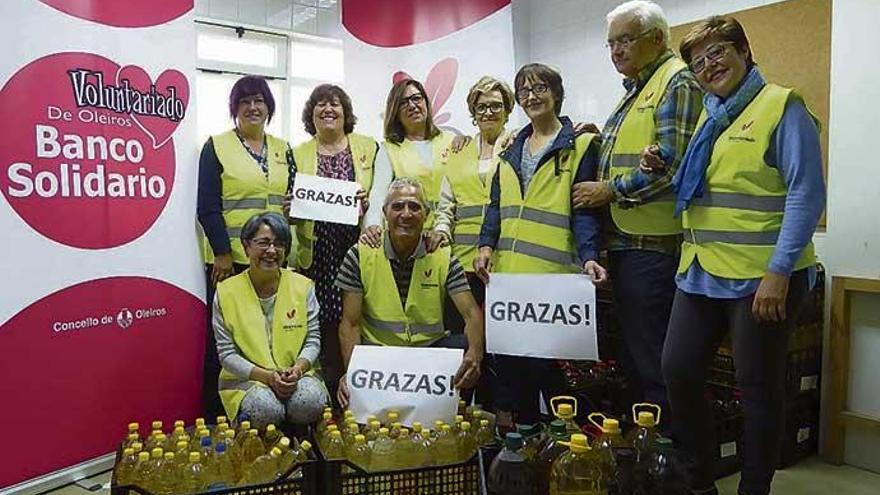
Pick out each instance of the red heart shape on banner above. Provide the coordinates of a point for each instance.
(396, 23)
(169, 85)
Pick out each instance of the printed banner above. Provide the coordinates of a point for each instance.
(102, 314)
(548, 316)
(416, 381)
(326, 200)
(447, 45)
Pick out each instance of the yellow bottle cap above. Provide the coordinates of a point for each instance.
(371, 418)
(335, 434)
(565, 411)
(200, 421)
(133, 436)
(332, 428)
(284, 442)
(360, 438)
(328, 409)
(646, 419)
(327, 416)
(127, 451)
(579, 443)
(417, 424)
(169, 456)
(133, 427)
(270, 427)
(477, 414)
(397, 424)
(156, 453)
(179, 423)
(253, 431)
(484, 422)
(221, 419)
(353, 428)
(465, 425)
(137, 446)
(446, 428)
(438, 424)
(204, 433)
(305, 445)
(375, 424)
(611, 425)
(229, 434)
(179, 430)
(349, 413)
(143, 456)
(393, 416)
(194, 457)
(161, 437)
(459, 418)
(275, 452)
(383, 430)
(182, 444)
(404, 433)
(157, 425)
(245, 425)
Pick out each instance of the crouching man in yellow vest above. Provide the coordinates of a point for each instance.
(394, 294)
(265, 322)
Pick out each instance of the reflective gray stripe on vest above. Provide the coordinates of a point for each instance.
(537, 216)
(226, 384)
(398, 327)
(233, 232)
(244, 204)
(276, 200)
(745, 238)
(626, 160)
(468, 239)
(464, 212)
(545, 218)
(773, 204)
(537, 251)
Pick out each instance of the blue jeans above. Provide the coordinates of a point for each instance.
(644, 287)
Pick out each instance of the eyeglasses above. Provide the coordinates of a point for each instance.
(264, 243)
(626, 40)
(494, 107)
(538, 89)
(414, 100)
(714, 53)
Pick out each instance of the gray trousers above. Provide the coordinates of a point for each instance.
(305, 405)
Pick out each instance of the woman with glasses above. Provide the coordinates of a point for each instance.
(529, 226)
(337, 152)
(265, 323)
(414, 147)
(750, 192)
(242, 172)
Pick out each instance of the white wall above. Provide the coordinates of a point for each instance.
(570, 35)
(318, 17)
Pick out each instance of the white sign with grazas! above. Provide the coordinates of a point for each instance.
(325, 200)
(546, 316)
(415, 381)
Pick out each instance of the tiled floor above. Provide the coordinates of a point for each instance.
(810, 477)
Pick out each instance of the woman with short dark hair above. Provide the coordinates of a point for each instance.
(337, 152)
(265, 321)
(750, 190)
(242, 172)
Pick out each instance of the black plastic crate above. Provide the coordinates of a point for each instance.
(342, 477)
(802, 374)
(801, 431)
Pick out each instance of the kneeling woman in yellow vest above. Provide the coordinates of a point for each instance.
(750, 190)
(268, 339)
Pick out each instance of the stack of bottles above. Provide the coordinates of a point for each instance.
(562, 460)
(386, 445)
(212, 458)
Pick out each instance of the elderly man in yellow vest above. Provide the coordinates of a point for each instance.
(373, 312)
(659, 110)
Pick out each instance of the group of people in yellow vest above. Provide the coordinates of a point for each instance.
(703, 190)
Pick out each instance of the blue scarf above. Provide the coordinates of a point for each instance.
(689, 180)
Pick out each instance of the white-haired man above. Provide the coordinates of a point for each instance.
(659, 111)
(393, 294)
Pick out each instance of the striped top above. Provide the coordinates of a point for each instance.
(349, 277)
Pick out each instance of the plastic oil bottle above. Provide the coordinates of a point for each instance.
(360, 452)
(509, 472)
(142, 475)
(466, 443)
(644, 437)
(263, 469)
(321, 430)
(608, 445)
(272, 435)
(166, 476)
(251, 448)
(404, 449)
(335, 447)
(219, 433)
(305, 449)
(484, 435)
(125, 468)
(222, 472)
(242, 432)
(557, 444)
(421, 455)
(446, 446)
(382, 457)
(196, 442)
(192, 480)
(534, 438)
(130, 439)
(576, 472)
(392, 417)
(351, 431)
(181, 455)
(151, 470)
(372, 430)
(287, 457)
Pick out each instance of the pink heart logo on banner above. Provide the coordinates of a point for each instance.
(439, 85)
(170, 85)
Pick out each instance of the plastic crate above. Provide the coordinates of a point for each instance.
(801, 431)
(300, 479)
(802, 374)
(341, 477)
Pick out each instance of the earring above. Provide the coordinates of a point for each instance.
(474, 121)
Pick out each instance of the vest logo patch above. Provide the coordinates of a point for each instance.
(291, 314)
(746, 126)
(649, 96)
(291, 323)
(428, 272)
(427, 282)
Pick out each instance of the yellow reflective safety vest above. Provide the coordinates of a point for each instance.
(732, 230)
(363, 154)
(244, 318)
(471, 198)
(406, 162)
(536, 234)
(246, 190)
(655, 216)
(384, 320)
